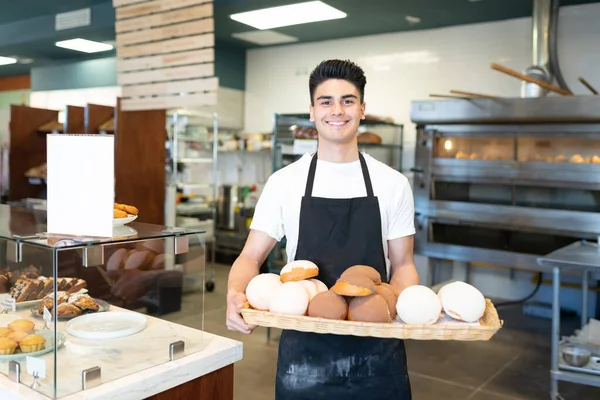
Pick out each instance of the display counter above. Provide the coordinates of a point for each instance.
(95, 317)
(205, 370)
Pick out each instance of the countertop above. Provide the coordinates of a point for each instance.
(133, 367)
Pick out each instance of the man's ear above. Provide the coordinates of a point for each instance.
(363, 107)
(312, 113)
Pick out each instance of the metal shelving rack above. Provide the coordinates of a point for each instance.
(287, 149)
(177, 123)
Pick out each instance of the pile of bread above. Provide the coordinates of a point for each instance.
(360, 295)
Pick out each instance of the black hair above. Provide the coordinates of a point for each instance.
(337, 69)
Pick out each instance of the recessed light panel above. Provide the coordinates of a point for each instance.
(84, 45)
(293, 14)
(7, 60)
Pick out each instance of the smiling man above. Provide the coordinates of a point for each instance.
(337, 208)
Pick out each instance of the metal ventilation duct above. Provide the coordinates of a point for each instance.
(541, 49)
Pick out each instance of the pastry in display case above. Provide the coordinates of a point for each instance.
(95, 304)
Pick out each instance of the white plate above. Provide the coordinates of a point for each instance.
(123, 221)
(123, 231)
(108, 325)
(46, 334)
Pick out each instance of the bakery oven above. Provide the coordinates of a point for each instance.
(503, 181)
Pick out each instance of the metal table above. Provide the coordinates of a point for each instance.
(581, 257)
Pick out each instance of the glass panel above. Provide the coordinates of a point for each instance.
(475, 193)
(29, 226)
(474, 148)
(572, 150)
(159, 281)
(558, 198)
(498, 239)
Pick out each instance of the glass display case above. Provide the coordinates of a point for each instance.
(82, 311)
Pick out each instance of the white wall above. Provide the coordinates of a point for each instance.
(402, 67)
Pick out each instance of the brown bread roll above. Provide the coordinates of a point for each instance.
(372, 308)
(354, 285)
(389, 296)
(370, 272)
(328, 305)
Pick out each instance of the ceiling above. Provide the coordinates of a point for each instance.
(27, 26)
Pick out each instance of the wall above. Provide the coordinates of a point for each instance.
(6, 99)
(403, 67)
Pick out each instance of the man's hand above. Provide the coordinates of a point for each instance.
(235, 322)
(246, 266)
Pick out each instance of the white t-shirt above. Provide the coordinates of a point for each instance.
(277, 212)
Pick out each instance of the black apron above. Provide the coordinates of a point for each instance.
(336, 234)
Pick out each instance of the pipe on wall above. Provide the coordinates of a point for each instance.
(541, 30)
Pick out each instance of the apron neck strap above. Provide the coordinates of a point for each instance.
(313, 169)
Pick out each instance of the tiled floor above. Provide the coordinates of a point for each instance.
(513, 365)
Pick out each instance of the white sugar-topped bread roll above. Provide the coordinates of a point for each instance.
(299, 270)
(462, 301)
(260, 290)
(321, 287)
(418, 305)
(310, 288)
(290, 298)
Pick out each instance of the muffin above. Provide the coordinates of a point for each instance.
(17, 336)
(4, 332)
(7, 346)
(32, 343)
(21, 325)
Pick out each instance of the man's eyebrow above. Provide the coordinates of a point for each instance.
(346, 96)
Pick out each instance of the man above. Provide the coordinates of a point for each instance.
(337, 208)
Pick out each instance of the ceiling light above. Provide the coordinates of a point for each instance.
(293, 14)
(265, 37)
(86, 46)
(7, 60)
(412, 20)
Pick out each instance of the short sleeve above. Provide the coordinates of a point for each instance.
(268, 213)
(402, 217)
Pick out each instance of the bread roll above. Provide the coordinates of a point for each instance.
(418, 305)
(261, 289)
(310, 287)
(328, 305)
(462, 301)
(115, 261)
(354, 285)
(321, 287)
(389, 296)
(370, 272)
(289, 298)
(372, 308)
(393, 289)
(298, 270)
(369, 137)
(139, 260)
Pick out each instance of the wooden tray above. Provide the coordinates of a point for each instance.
(489, 324)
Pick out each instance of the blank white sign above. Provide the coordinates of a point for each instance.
(80, 184)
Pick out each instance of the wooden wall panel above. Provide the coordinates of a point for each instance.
(140, 162)
(27, 147)
(96, 115)
(74, 120)
(164, 41)
(218, 385)
(149, 7)
(191, 85)
(168, 46)
(167, 18)
(10, 83)
(167, 60)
